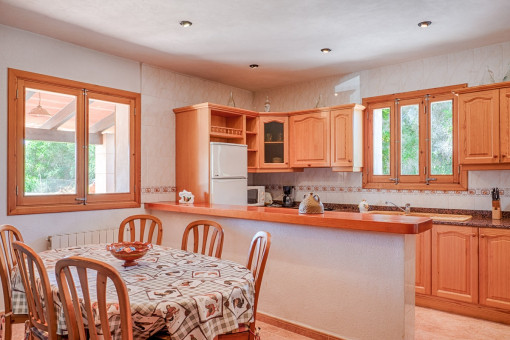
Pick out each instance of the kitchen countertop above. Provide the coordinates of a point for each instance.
(330, 219)
(481, 218)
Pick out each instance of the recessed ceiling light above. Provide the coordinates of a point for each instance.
(185, 23)
(254, 66)
(326, 50)
(425, 23)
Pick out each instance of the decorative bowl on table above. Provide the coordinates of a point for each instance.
(129, 252)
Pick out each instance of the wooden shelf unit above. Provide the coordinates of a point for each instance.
(252, 128)
(227, 127)
(196, 127)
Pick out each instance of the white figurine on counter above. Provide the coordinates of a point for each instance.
(186, 197)
(363, 206)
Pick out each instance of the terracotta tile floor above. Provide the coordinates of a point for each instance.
(430, 325)
(437, 325)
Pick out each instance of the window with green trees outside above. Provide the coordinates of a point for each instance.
(411, 142)
(72, 146)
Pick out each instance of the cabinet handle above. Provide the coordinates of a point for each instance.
(482, 235)
(473, 235)
(495, 156)
(503, 156)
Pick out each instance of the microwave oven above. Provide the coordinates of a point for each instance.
(256, 195)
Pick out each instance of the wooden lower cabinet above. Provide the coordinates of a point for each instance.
(468, 272)
(495, 268)
(455, 263)
(423, 263)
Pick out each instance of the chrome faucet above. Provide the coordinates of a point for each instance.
(407, 207)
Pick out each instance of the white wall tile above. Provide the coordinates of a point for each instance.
(485, 179)
(460, 68)
(489, 57)
(482, 202)
(434, 71)
(461, 202)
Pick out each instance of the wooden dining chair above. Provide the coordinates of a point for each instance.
(208, 242)
(8, 234)
(142, 226)
(257, 258)
(74, 308)
(42, 319)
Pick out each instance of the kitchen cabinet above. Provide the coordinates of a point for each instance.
(484, 127)
(310, 139)
(197, 126)
(479, 127)
(423, 262)
(504, 124)
(495, 267)
(277, 141)
(347, 137)
(274, 142)
(455, 263)
(469, 271)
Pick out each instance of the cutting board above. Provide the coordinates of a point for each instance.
(433, 216)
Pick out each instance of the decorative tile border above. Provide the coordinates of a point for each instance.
(329, 188)
(158, 190)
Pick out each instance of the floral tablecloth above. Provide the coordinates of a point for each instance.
(194, 296)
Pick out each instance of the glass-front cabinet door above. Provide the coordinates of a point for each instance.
(274, 142)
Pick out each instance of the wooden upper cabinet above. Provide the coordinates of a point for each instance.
(495, 267)
(347, 138)
(455, 263)
(423, 262)
(309, 140)
(504, 124)
(274, 142)
(479, 127)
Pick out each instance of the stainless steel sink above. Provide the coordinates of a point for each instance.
(433, 216)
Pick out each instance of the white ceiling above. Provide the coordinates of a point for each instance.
(283, 36)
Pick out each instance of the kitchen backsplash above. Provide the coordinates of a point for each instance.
(345, 188)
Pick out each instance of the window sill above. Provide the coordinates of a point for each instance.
(417, 186)
(45, 209)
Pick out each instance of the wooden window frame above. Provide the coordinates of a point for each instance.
(457, 181)
(19, 203)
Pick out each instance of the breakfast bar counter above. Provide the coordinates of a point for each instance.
(336, 275)
(331, 219)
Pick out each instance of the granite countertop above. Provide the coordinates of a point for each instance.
(481, 218)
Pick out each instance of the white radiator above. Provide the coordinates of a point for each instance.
(81, 238)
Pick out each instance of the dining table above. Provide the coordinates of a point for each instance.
(187, 295)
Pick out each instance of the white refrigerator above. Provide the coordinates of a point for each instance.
(229, 173)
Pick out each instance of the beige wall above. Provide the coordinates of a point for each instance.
(468, 66)
(161, 91)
